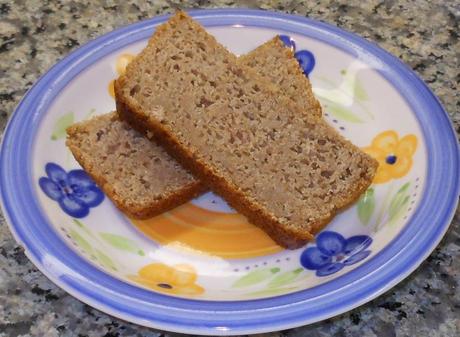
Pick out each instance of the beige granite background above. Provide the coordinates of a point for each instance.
(424, 34)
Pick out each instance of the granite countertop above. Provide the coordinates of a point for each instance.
(425, 35)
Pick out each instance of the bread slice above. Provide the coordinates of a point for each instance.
(276, 64)
(135, 173)
(140, 191)
(288, 171)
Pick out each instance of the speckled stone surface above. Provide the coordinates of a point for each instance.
(425, 35)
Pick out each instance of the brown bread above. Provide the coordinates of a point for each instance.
(276, 64)
(288, 171)
(142, 194)
(135, 173)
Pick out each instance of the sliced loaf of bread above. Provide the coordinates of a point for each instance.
(116, 156)
(135, 173)
(288, 171)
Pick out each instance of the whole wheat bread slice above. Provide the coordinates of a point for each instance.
(286, 170)
(135, 173)
(142, 191)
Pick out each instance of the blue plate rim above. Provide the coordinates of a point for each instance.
(276, 313)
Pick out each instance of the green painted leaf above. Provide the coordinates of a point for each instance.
(343, 113)
(393, 217)
(105, 260)
(122, 243)
(399, 204)
(61, 125)
(83, 227)
(352, 85)
(399, 200)
(255, 277)
(360, 92)
(272, 291)
(81, 242)
(78, 223)
(284, 278)
(327, 81)
(366, 206)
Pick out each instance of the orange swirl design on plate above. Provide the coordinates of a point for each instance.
(213, 233)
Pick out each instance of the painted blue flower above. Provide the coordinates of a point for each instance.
(305, 58)
(288, 41)
(75, 192)
(333, 252)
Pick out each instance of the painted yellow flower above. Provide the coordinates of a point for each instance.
(120, 66)
(393, 154)
(176, 280)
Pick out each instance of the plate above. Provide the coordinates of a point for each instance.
(201, 268)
